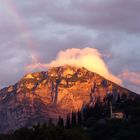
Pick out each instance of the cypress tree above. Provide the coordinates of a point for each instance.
(50, 124)
(68, 125)
(79, 118)
(60, 122)
(73, 119)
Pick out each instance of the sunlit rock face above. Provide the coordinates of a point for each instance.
(56, 92)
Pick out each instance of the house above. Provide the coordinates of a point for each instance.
(117, 115)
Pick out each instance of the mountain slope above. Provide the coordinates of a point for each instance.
(58, 91)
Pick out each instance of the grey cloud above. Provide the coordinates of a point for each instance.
(110, 26)
(116, 15)
(101, 15)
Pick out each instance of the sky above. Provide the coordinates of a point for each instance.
(102, 35)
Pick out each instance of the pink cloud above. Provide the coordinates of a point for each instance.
(131, 77)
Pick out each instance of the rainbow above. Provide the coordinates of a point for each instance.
(22, 26)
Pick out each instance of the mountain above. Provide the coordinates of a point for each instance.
(39, 96)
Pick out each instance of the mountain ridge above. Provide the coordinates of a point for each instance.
(36, 72)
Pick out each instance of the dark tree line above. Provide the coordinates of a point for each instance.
(73, 119)
(79, 118)
(86, 124)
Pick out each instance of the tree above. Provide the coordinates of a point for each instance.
(68, 125)
(61, 122)
(73, 119)
(79, 118)
(50, 122)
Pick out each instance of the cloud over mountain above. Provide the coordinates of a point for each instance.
(89, 58)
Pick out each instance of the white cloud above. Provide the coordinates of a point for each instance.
(89, 58)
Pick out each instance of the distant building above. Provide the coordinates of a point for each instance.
(118, 115)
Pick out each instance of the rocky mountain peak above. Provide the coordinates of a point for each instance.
(42, 95)
(65, 70)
